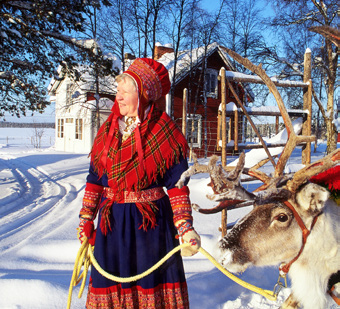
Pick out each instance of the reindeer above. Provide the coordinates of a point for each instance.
(299, 230)
(293, 224)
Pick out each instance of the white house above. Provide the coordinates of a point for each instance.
(76, 110)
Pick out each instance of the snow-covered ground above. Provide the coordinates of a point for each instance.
(40, 197)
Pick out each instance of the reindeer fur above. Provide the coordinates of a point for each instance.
(269, 235)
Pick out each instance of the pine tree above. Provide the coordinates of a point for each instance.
(36, 38)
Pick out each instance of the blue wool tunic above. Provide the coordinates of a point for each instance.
(128, 250)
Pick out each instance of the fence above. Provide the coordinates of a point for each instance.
(27, 137)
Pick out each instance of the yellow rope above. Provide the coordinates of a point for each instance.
(266, 293)
(137, 277)
(76, 270)
(85, 257)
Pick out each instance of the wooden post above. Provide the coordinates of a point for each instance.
(224, 216)
(230, 125)
(219, 129)
(307, 105)
(184, 115)
(236, 129)
(277, 124)
(224, 125)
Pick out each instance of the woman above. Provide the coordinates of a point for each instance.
(138, 151)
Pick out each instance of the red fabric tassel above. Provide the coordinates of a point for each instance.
(148, 210)
(105, 224)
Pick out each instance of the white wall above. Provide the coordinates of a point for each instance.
(79, 109)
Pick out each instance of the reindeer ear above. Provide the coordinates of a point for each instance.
(312, 197)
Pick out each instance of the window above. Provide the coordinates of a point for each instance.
(194, 130)
(60, 128)
(69, 120)
(211, 82)
(79, 129)
(69, 90)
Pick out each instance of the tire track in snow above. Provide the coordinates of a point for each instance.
(35, 210)
(21, 191)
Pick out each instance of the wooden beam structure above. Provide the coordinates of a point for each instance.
(253, 79)
(224, 216)
(307, 105)
(184, 115)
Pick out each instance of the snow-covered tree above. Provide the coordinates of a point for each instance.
(35, 39)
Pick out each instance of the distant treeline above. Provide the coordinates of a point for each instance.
(5, 124)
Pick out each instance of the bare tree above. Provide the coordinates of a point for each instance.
(292, 21)
(157, 8)
(101, 64)
(181, 15)
(115, 26)
(242, 27)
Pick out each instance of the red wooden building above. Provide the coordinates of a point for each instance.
(198, 71)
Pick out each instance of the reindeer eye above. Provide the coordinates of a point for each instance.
(282, 217)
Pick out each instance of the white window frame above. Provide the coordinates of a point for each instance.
(79, 129)
(197, 134)
(60, 128)
(211, 89)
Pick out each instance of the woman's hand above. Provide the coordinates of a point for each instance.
(189, 235)
(86, 231)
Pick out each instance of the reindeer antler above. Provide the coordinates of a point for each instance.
(293, 139)
(229, 192)
(328, 32)
(196, 168)
(226, 185)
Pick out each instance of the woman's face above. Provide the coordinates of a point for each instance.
(127, 98)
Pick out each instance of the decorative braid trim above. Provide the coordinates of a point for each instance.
(180, 204)
(91, 201)
(143, 196)
(165, 296)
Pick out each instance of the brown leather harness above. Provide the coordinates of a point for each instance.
(284, 268)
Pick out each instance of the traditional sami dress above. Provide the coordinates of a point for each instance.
(134, 234)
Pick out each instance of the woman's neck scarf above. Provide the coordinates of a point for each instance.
(161, 143)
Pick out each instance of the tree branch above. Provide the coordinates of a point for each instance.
(319, 103)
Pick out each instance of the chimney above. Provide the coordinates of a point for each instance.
(128, 59)
(161, 50)
(128, 56)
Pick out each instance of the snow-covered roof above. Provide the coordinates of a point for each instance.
(86, 82)
(190, 58)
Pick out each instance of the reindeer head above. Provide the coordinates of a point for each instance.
(270, 233)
